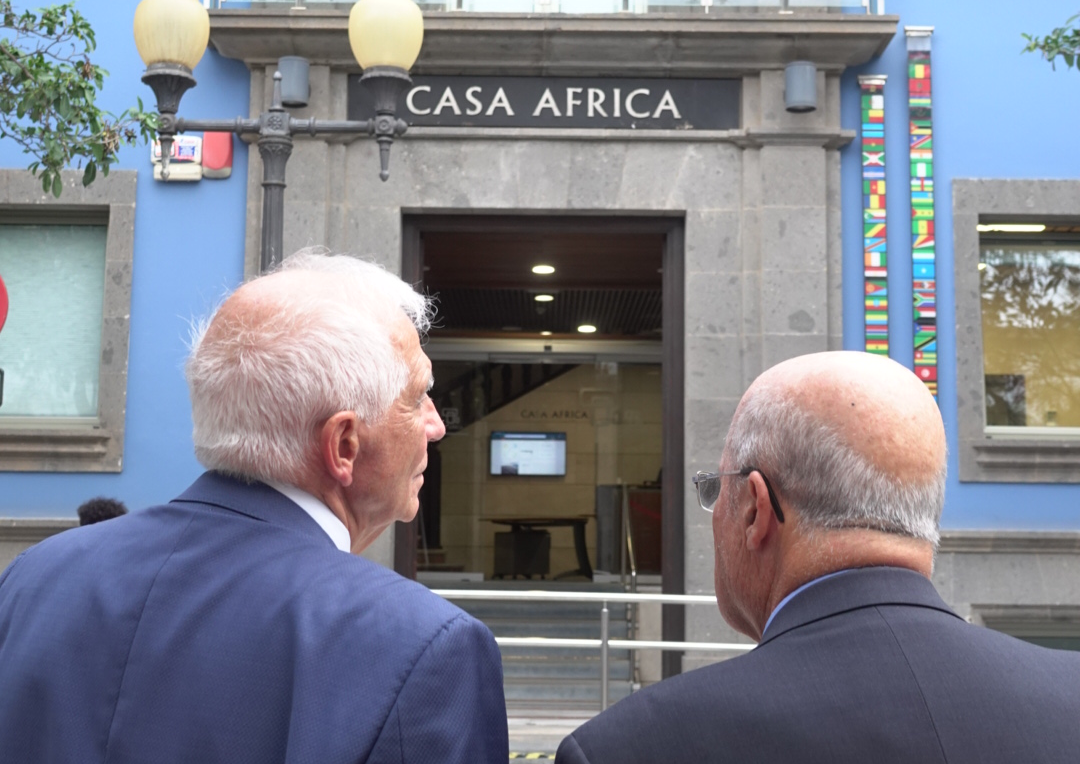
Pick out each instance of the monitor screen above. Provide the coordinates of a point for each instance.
(528, 453)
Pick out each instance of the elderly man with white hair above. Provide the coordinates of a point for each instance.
(237, 623)
(825, 522)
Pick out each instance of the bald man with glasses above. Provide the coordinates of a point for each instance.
(825, 519)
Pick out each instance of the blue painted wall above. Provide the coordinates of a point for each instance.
(997, 114)
(189, 249)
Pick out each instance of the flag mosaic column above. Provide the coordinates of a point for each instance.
(875, 255)
(923, 253)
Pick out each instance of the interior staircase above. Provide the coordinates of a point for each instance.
(487, 387)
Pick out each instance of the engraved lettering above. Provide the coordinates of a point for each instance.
(411, 104)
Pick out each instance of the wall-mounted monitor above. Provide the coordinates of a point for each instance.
(528, 453)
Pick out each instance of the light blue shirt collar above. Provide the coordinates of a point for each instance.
(320, 513)
(797, 592)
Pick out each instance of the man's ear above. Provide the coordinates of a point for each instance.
(339, 446)
(759, 520)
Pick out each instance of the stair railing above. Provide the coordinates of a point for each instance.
(605, 643)
(626, 555)
(627, 552)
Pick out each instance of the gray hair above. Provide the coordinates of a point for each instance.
(830, 484)
(263, 379)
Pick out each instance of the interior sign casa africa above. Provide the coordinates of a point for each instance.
(576, 102)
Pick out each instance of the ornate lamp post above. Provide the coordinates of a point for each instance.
(385, 36)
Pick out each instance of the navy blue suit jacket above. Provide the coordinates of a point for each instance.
(225, 626)
(870, 666)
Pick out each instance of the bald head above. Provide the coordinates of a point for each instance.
(855, 441)
(882, 411)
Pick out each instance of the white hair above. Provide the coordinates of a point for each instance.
(263, 377)
(830, 484)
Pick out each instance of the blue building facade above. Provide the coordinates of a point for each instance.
(782, 193)
(998, 115)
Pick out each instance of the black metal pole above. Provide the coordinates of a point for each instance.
(276, 129)
(275, 148)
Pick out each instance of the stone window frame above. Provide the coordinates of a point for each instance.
(997, 457)
(92, 444)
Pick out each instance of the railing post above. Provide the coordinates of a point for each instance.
(605, 615)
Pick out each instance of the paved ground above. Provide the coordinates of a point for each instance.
(537, 738)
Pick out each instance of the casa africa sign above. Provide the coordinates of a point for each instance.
(567, 102)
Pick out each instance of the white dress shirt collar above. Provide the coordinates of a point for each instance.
(319, 512)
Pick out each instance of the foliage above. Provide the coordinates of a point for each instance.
(1063, 41)
(48, 87)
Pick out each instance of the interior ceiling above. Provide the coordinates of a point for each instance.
(484, 282)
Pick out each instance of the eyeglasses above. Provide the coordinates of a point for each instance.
(708, 488)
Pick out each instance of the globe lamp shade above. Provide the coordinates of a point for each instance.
(171, 32)
(386, 33)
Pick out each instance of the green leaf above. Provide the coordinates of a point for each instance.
(48, 96)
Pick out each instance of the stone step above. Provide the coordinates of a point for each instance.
(584, 671)
(542, 682)
(544, 732)
(541, 653)
(563, 629)
(545, 708)
(541, 610)
(553, 691)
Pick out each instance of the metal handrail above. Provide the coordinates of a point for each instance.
(540, 595)
(626, 644)
(627, 555)
(627, 552)
(605, 643)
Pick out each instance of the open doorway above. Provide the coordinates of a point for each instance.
(558, 357)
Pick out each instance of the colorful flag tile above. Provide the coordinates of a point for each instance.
(875, 247)
(921, 159)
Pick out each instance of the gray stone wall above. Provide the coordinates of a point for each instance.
(760, 205)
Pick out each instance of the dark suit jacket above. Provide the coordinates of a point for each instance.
(226, 627)
(869, 666)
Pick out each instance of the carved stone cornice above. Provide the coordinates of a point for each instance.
(731, 43)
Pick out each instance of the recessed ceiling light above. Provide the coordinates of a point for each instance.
(1010, 228)
(545, 334)
(544, 298)
(543, 270)
(586, 328)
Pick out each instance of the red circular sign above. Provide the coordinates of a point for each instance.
(3, 303)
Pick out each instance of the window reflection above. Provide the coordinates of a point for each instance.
(50, 348)
(1030, 296)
